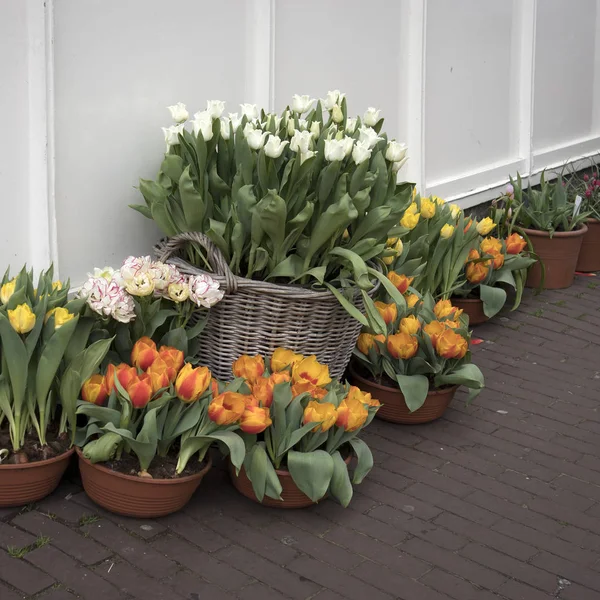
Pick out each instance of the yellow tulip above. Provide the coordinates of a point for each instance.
(7, 290)
(439, 201)
(427, 208)
(447, 231)
(312, 371)
(455, 210)
(410, 220)
(412, 209)
(351, 413)
(366, 341)
(485, 226)
(61, 316)
(323, 413)
(22, 318)
(410, 324)
(283, 358)
(411, 300)
(57, 286)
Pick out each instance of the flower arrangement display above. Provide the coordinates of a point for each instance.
(416, 350)
(158, 408)
(146, 298)
(305, 196)
(300, 424)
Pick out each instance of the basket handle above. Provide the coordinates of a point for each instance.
(214, 256)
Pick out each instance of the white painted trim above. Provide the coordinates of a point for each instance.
(42, 217)
(553, 156)
(260, 53)
(413, 81)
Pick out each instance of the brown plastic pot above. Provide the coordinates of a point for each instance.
(589, 255)
(473, 307)
(394, 407)
(29, 482)
(291, 496)
(559, 254)
(137, 496)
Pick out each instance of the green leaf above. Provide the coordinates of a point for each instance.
(191, 201)
(359, 267)
(191, 445)
(177, 338)
(295, 437)
(348, 306)
(468, 375)
(15, 355)
(102, 449)
(364, 458)
(311, 472)
(172, 167)
(340, 487)
(414, 388)
(493, 299)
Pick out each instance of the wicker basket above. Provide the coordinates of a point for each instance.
(255, 317)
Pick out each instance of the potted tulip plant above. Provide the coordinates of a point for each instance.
(300, 429)
(144, 423)
(495, 264)
(286, 209)
(414, 358)
(45, 353)
(552, 226)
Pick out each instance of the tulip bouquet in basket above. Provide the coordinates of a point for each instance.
(417, 349)
(146, 298)
(46, 352)
(306, 195)
(159, 409)
(300, 420)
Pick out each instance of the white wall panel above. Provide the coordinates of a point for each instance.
(117, 66)
(14, 147)
(469, 86)
(350, 45)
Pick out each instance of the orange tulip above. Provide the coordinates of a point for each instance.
(214, 387)
(255, 419)
(94, 390)
(140, 390)
(468, 224)
(476, 272)
(493, 247)
(124, 373)
(173, 357)
(444, 308)
(434, 329)
(411, 300)
(263, 388)
(352, 414)
(366, 341)
(227, 408)
(402, 345)
(400, 282)
(192, 382)
(410, 324)
(323, 413)
(283, 358)
(159, 373)
(388, 312)
(515, 244)
(315, 392)
(143, 354)
(364, 397)
(310, 370)
(249, 367)
(450, 344)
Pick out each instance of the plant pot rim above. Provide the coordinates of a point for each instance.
(39, 463)
(581, 230)
(378, 386)
(593, 220)
(147, 480)
(461, 299)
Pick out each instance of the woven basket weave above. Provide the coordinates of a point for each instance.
(255, 317)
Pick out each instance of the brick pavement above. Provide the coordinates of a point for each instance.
(500, 499)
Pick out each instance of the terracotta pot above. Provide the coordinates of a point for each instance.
(589, 255)
(473, 307)
(137, 496)
(394, 407)
(292, 496)
(29, 482)
(559, 254)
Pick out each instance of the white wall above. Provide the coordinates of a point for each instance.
(477, 88)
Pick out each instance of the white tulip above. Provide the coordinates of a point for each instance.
(215, 108)
(398, 164)
(225, 131)
(371, 117)
(351, 124)
(202, 115)
(236, 120)
(274, 146)
(300, 104)
(306, 155)
(395, 151)
(335, 150)
(369, 135)
(255, 138)
(300, 141)
(348, 143)
(361, 152)
(273, 118)
(336, 114)
(203, 124)
(333, 97)
(179, 112)
(250, 111)
(171, 135)
(302, 124)
(315, 129)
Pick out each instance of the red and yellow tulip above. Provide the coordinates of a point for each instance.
(192, 382)
(227, 408)
(249, 367)
(143, 353)
(94, 390)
